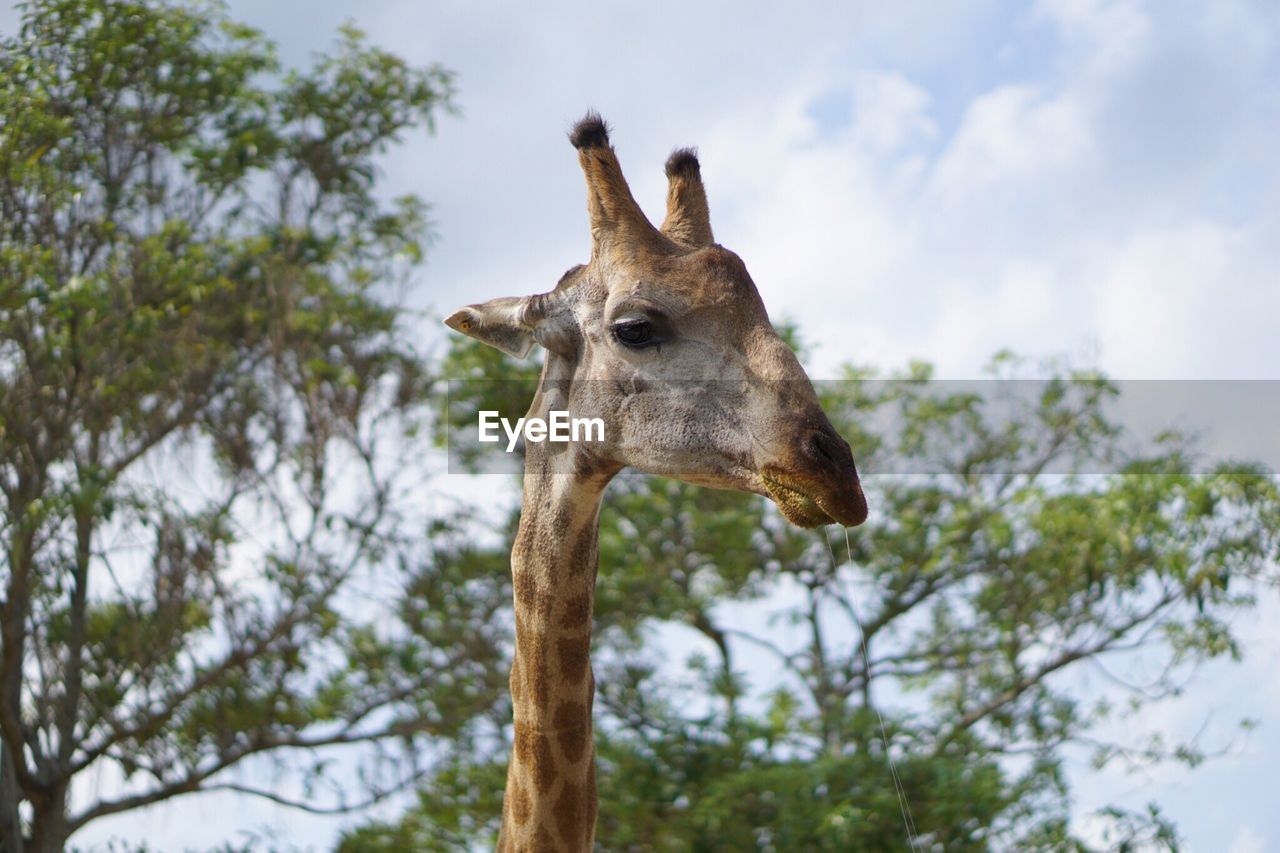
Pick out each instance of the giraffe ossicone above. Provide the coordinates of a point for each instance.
(664, 338)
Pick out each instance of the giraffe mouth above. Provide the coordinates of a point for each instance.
(797, 507)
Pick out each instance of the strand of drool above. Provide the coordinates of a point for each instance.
(903, 806)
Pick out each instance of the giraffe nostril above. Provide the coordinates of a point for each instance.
(825, 448)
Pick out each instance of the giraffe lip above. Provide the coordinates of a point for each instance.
(797, 506)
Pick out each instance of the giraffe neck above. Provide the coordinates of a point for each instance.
(550, 801)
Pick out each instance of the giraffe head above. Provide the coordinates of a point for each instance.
(663, 336)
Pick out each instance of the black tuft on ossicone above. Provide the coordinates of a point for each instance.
(590, 132)
(683, 162)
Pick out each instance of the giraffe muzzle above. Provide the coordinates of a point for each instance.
(823, 487)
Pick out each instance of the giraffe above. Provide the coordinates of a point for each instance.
(664, 336)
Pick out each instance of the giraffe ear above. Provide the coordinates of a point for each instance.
(501, 323)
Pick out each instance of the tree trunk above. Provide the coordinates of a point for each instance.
(49, 822)
(11, 840)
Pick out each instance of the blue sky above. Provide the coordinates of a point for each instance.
(1093, 178)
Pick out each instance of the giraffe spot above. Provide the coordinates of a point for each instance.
(532, 602)
(592, 801)
(533, 751)
(539, 681)
(543, 842)
(545, 605)
(575, 657)
(577, 612)
(521, 809)
(568, 813)
(517, 680)
(588, 465)
(573, 730)
(531, 658)
(581, 555)
(526, 588)
(561, 523)
(525, 735)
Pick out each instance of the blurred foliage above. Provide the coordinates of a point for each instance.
(979, 588)
(204, 394)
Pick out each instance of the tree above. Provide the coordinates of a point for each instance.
(1020, 546)
(204, 394)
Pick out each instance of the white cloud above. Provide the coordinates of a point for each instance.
(892, 113)
(1248, 841)
(1013, 139)
(1113, 32)
(903, 234)
(1195, 300)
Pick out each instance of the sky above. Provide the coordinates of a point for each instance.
(1079, 178)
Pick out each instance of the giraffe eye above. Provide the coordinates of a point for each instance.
(634, 333)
